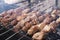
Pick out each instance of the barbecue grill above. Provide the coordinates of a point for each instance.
(42, 6)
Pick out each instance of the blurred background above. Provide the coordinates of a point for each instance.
(11, 4)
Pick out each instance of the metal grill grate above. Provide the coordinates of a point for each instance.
(8, 34)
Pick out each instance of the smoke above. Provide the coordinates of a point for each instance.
(11, 1)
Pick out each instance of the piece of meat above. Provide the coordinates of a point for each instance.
(32, 30)
(46, 15)
(27, 26)
(38, 35)
(18, 11)
(27, 19)
(12, 17)
(58, 13)
(32, 16)
(0, 19)
(4, 22)
(26, 10)
(10, 12)
(3, 13)
(54, 11)
(58, 20)
(17, 27)
(35, 21)
(19, 18)
(53, 25)
(54, 15)
(14, 22)
(7, 16)
(47, 20)
(38, 13)
(40, 18)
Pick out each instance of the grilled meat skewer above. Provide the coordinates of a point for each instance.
(52, 26)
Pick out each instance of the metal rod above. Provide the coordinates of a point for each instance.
(13, 35)
(23, 36)
(6, 32)
(1, 28)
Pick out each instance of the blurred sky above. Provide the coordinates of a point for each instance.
(4, 6)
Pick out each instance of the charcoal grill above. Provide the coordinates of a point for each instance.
(8, 34)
